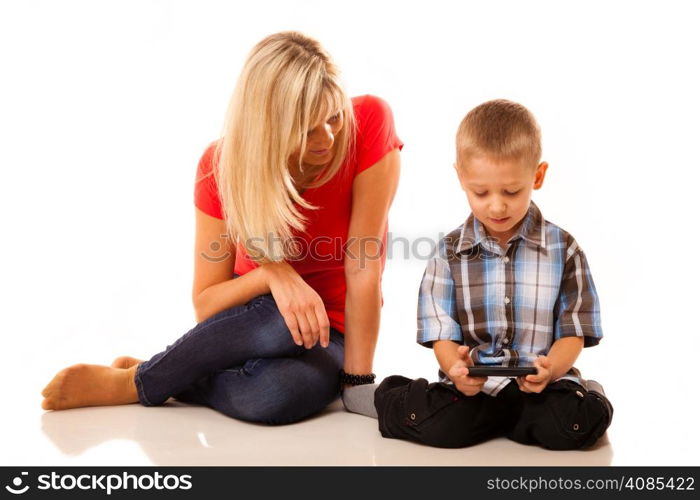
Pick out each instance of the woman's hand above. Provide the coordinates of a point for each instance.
(459, 374)
(301, 307)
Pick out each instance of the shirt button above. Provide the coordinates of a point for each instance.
(506, 260)
(507, 300)
(505, 341)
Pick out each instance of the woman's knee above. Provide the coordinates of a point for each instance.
(286, 408)
(274, 330)
(279, 391)
(290, 409)
(259, 325)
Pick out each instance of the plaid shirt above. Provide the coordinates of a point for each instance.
(508, 306)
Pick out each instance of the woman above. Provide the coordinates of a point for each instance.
(291, 223)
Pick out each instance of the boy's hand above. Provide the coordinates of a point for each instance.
(459, 374)
(537, 383)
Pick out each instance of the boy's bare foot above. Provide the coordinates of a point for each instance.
(125, 362)
(90, 385)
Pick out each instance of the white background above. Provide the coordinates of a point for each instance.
(106, 107)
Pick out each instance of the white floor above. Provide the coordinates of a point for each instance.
(654, 421)
(180, 434)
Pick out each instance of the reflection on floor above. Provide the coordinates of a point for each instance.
(182, 434)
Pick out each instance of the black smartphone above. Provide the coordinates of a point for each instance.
(500, 371)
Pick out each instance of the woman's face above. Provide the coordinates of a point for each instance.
(320, 141)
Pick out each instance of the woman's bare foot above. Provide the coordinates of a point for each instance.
(125, 362)
(90, 385)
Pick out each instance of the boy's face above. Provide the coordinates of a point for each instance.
(499, 192)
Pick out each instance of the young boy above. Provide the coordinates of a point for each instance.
(507, 288)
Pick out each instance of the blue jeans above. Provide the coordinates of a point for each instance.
(244, 363)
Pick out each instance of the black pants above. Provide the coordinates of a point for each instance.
(564, 416)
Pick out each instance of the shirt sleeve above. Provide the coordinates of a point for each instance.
(577, 310)
(206, 192)
(376, 135)
(437, 314)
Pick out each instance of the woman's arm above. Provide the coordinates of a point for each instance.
(229, 293)
(372, 194)
(213, 288)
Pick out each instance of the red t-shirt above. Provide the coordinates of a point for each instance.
(321, 262)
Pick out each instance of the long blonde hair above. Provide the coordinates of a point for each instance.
(288, 85)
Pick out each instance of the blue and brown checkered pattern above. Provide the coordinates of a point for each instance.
(508, 305)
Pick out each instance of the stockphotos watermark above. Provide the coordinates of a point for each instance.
(100, 482)
(328, 249)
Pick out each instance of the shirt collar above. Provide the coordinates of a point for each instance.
(531, 231)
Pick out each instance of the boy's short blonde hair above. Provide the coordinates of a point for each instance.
(500, 129)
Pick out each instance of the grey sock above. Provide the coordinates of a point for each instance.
(360, 399)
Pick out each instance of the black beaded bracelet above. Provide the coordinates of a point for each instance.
(352, 379)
